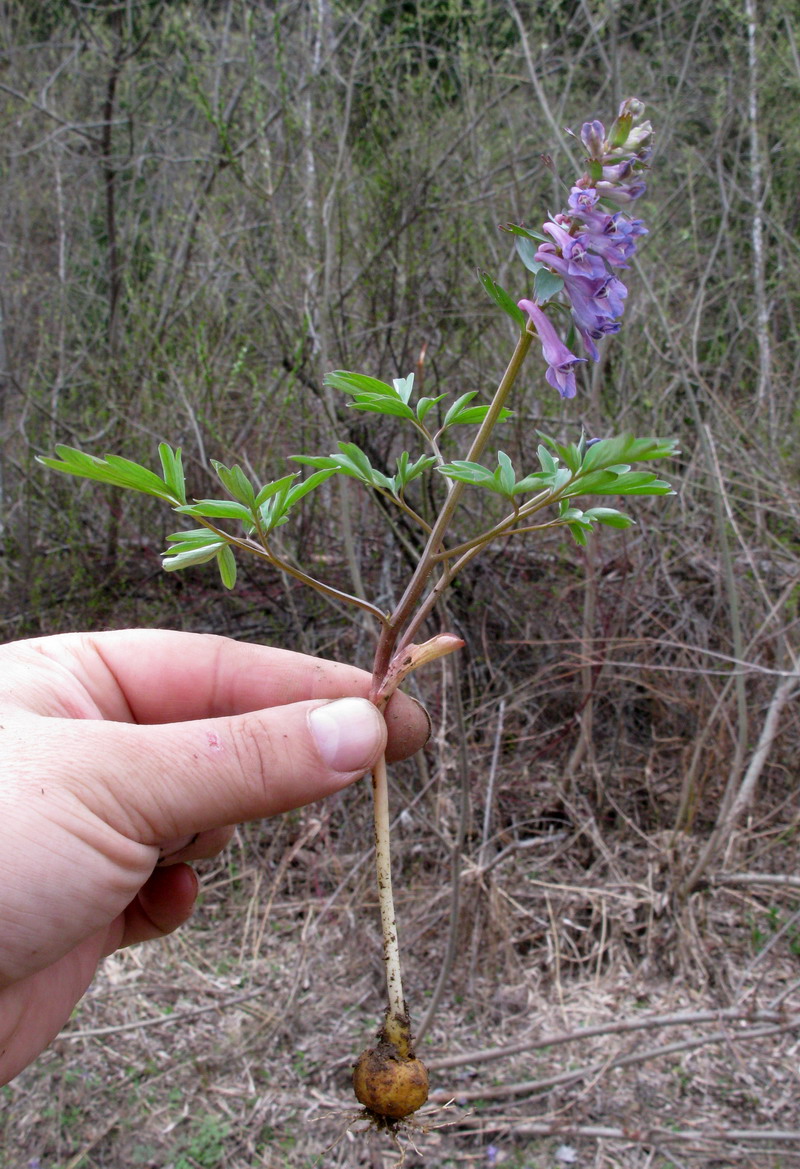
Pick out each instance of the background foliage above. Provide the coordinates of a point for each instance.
(207, 206)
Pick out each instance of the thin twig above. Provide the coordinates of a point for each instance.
(601, 1066)
(618, 1027)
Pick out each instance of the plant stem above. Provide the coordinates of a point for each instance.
(396, 1028)
(419, 579)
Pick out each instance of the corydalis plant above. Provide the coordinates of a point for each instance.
(573, 259)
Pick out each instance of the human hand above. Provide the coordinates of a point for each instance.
(122, 750)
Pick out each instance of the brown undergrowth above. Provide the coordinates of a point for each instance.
(592, 1015)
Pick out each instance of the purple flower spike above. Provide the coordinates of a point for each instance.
(587, 240)
(561, 363)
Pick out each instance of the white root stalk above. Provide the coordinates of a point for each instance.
(396, 1028)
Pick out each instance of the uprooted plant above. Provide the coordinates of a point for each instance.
(573, 260)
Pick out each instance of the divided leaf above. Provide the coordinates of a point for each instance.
(350, 461)
(113, 469)
(503, 480)
(374, 396)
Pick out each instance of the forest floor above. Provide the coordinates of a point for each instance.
(631, 1033)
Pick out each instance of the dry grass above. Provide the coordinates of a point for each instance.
(231, 1043)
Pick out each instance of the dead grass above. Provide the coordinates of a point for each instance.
(231, 1043)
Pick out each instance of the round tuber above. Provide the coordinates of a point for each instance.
(389, 1085)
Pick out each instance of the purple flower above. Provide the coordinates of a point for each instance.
(588, 240)
(593, 137)
(575, 249)
(582, 201)
(561, 363)
(623, 194)
(594, 298)
(611, 236)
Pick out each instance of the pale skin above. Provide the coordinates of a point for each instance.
(124, 756)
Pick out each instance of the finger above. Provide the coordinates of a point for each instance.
(159, 783)
(164, 902)
(160, 676)
(198, 846)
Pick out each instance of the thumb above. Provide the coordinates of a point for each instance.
(156, 783)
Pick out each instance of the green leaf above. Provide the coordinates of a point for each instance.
(355, 462)
(113, 469)
(624, 448)
(234, 480)
(538, 481)
(526, 250)
(628, 483)
(609, 516)
(174, 561)
(524, 232)
(296, 493)
(137, 477)
(407, 471)
(404, 386)
(570, 514)
(579, 534)
(546, 284)
(466, 472)
(172, 468)
(424, 405)
(226, 563)
(478, 413)
(195, 538)
(275, 487)
(223, 509)
(374, 396)
(571, 456)
(460, 404)
(502, 299)
(651, 448)
(647, 486)
(606, 453)
(569, 453)
(321, 462)
(546, 460)
(378, 404)
(351, 461)
(503, 480)
(596, 482)
(505, 477)
(354, 383)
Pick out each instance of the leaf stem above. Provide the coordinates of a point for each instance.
(265, 553)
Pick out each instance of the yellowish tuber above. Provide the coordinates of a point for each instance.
(389, 1085)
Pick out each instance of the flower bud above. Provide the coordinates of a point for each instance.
(593, 135)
